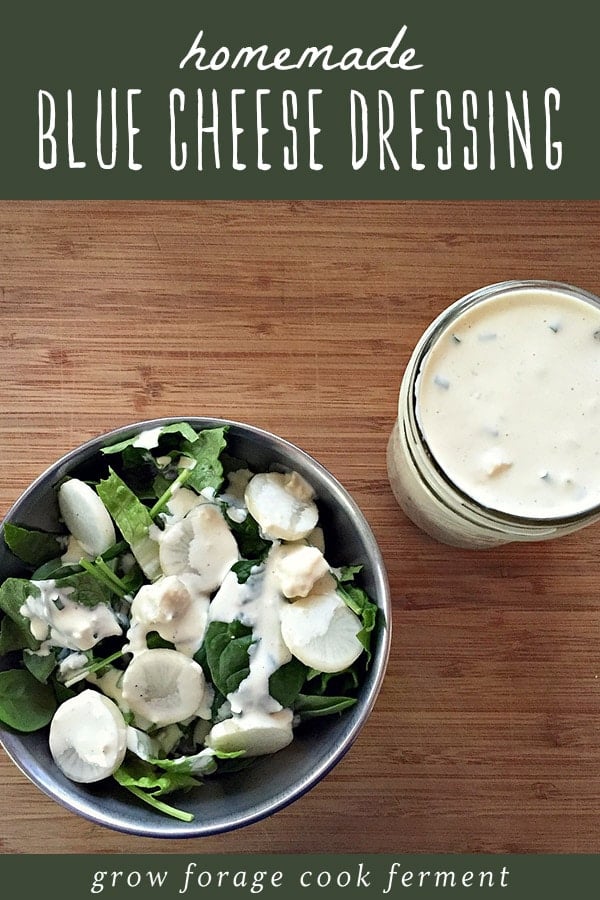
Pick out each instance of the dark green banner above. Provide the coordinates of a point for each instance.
(320, 99)
(223, 877)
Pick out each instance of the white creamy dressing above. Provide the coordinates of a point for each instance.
(298, 567)
(58, 621)
(508, 400)
(148, 439)
(174, 606)
(256, 604)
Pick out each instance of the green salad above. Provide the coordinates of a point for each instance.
(184, 622)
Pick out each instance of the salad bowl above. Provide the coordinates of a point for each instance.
(238, 798)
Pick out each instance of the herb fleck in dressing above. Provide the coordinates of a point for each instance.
(508, 401)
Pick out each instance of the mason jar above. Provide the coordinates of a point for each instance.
(498, 431)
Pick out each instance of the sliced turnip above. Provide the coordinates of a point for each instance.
(85, 516)
(200, 543)
(163, 686)
(256, 734)
(282, 504)
(88, 737)
(320, 630)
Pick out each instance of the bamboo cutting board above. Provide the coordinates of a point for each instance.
(300, 318)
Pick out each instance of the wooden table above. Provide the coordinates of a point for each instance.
(299, 317)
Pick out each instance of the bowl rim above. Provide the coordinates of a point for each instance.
(12, 742)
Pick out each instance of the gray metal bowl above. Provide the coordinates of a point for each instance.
(271, 783)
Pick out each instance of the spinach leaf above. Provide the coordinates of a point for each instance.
(334, 682)
(144, 774)
(226, 645)
(154, 642)
(237, 764)
(202, 763)
(286, 682)
(86, 589)
(139, 469)
(31, 546)
(309, 706)
(243, 569)
(145, 783)
(360, 603)
(52, 569)
(12, 636)
(13, 594)
(347, 573)
(41, 667)
(247, 535)
(133, 520)
(206, 450)
(61, 691)
(25, 704)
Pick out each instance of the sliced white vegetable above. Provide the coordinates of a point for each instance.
(175, 607)
(200, 543)
(88, 737)
(321, 631)
(256, 734)
(283, 505)
(85, 516)
(181, 502)
(298, 567)
(163, 685)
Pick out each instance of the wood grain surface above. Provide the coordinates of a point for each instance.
(299, 318)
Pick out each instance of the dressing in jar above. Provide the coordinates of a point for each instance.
(498, 430)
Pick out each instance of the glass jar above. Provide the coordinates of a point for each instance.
(427, 492)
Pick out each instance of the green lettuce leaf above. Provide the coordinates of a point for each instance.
(181, 428)
(133, 520)
(206, 450)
